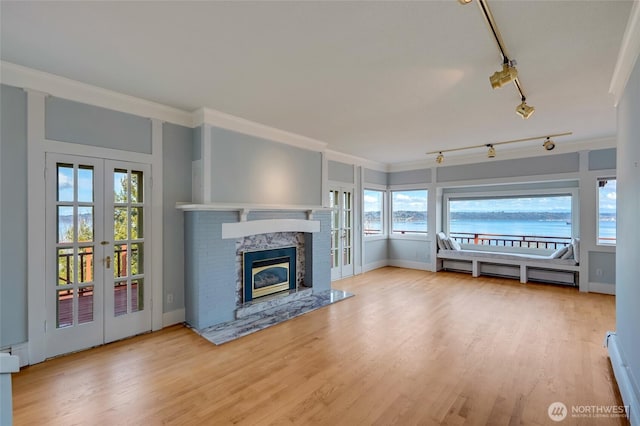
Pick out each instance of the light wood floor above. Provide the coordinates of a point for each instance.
(412, 347)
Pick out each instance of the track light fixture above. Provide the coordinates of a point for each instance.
(509, 72)
(549, 144)
(491, 152)
(506, 76)
(524, 110)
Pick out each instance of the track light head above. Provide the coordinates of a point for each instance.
(492, 151)
(549, 144)
(500, 78)
(524, 110)
(440, 158)
(465, 1)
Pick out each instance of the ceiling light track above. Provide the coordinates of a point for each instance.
(548, 145)
(509, 72)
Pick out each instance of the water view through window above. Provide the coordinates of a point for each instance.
(533, 221)
(607, 211)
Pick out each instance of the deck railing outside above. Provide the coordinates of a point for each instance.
(85, 268)
(506, 240)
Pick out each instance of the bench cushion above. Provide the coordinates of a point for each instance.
(466, 254)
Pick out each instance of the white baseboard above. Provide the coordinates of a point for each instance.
(173, 317)
(602, 288)
(375, 265)
(409, 264)
(624, 378)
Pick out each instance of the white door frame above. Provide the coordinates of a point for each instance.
(37, 147)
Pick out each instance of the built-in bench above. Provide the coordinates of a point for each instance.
(525, 266)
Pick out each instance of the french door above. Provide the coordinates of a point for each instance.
(96, 218)
(341, 203)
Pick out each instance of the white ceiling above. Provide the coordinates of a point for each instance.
(386, 81)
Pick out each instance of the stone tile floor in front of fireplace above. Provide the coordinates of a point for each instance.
(228, 331)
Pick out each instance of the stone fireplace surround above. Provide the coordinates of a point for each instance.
(215, 236)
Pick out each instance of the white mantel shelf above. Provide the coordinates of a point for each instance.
(244, 209)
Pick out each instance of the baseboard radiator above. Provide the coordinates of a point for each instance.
(628, 389)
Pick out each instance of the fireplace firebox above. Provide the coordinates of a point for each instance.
(268, 272)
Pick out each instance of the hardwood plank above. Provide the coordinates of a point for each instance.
(412, 347)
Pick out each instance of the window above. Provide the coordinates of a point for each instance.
(606, 210)
(373, 208)
(409, 212)
(536, 221)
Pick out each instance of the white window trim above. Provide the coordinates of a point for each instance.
(383, 190)
(607, 247)
(407, 187)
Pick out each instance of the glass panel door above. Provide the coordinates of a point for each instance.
(341, 203)
(127, 298)
(74, 229)
(97, 272)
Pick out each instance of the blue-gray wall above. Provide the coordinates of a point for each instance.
(248, 169)
(340, 172)
(176, 186)
(628, 236)
(410, 177)
(409, 250)
(602, 267)
(74, 122)
(602, 159)
(534, 166)
(13, 216)
(376, 177)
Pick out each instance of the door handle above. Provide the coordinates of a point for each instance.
(108, 262)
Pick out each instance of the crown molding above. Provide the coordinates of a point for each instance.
(355, 160)
(242, 125)
(527, 152)
(27, 78)
(628, 55)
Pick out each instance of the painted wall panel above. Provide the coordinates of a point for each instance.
(602, 267)
(513, 187)
(628, 238)
(340, 172)
(74, 122)
(176, 187)
(492, 169)
(409, 250)
(410, 177)
(247, 169)
(13, 216)
(375, 176)
(602, 159)
(375, 251)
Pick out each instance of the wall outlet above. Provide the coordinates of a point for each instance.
(599, 272)
(170, 298)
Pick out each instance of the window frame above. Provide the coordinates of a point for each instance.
(383, 212)
(416, 236)
(598, 243)
(542, 192)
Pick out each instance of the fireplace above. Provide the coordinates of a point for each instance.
(268, 272)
